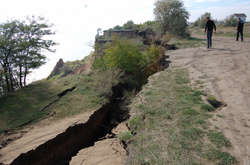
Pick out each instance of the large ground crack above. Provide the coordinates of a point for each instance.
(63, 147)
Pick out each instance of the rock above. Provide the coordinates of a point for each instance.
(215, 103)
(57, 69)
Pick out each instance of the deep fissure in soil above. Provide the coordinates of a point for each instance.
(61, 149)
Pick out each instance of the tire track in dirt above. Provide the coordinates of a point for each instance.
(225, 71)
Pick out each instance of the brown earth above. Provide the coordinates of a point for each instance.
(37, 135)
(224, 72)
(106, 151)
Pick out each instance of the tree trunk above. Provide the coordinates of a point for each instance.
(25, 74)
(6, 79)
(1, 85)
(20, 76)
(11, 79)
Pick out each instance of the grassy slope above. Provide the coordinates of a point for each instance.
(24, 106)
(225, 31)
(169, 125)
(187, 42)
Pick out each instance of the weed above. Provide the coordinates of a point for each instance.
(135, 123)
(218, 139)
(125, 136)
(190, 112)
(222, 158)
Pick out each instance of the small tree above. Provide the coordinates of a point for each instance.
(130, 25)
(230, 21)
(22, 48)
(172, 16)
(202, 20)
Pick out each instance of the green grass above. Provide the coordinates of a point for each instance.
(23, 106)
(221, 158)
(170, 126)
(218, 139)
(126, 136)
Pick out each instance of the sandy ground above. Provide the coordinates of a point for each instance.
(225, 72)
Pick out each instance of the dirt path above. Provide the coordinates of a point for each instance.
(225, 71)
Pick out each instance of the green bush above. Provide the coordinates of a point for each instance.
(129, 57)
(121, 54)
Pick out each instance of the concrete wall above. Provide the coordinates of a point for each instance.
(120, 33)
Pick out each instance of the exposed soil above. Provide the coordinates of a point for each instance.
(61, 149)
(224, 71)
(36, 135)
(108, 151)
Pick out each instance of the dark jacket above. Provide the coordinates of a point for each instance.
(210, 26)
(240, 26)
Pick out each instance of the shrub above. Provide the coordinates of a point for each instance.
(123, 55)
(129, 58)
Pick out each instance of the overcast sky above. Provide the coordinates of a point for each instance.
(76, 21)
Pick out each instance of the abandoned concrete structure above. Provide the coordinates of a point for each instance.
(109, 34)
(147, 36)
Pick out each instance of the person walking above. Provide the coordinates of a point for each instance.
(240, 28)
(209, 29)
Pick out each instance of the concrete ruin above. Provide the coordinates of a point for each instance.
(147, 36)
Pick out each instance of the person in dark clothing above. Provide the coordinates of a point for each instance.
(209, 28)
(240, 28)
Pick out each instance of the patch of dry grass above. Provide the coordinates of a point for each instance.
(169, 125)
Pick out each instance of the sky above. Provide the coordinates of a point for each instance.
(76, 21)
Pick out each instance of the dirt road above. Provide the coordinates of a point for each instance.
(225, 72)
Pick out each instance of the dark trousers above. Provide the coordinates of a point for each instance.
(209, 38)
(239, 33)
